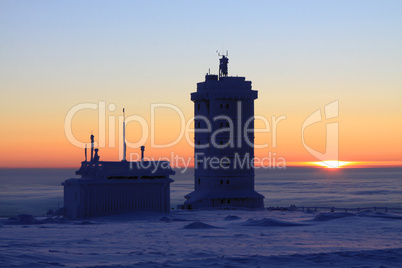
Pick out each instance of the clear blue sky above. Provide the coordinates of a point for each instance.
(300, 55)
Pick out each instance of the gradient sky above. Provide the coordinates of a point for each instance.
(299, 55)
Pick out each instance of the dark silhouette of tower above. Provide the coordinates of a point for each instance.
(224, 142)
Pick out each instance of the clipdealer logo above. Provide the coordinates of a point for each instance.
(231, 128)
(329, 157)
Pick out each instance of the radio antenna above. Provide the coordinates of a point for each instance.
(124, 136)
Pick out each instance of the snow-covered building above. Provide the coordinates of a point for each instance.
(108, 187)
(224, 143)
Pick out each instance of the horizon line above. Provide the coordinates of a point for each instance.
(312, 164)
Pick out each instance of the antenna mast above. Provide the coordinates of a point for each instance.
(92, 146)
(86, 160)
(124, 136)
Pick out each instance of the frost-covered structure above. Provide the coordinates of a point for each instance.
(108, 187)
(224, 143)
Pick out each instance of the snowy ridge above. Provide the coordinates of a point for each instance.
(368, 258)
(233, 238)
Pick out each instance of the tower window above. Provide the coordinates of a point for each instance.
(222, 201)
(199, 181)
(198, 124)
(221, 142)
(227, 106)
(199, 142)
(221, 105)
(227, 181)
(221, 181)
(228, 201)
(227, 124)
(221, 124)
(198, 106)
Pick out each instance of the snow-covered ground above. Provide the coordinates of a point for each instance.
(230, 238)
(188, 239)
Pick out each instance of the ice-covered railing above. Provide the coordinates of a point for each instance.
(334, 209)
(310, 208)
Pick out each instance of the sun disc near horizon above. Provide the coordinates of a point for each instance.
(331, 163)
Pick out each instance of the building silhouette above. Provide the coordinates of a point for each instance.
(114, 187)
(224, 142)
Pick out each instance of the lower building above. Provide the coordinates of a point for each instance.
(107, 188)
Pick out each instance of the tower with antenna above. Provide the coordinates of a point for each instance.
(224, 142)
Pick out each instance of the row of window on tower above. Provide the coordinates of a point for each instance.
(198, 125)
(226, 142)
(220, 106)
(222, 181)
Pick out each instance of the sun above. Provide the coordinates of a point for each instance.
(332, 163)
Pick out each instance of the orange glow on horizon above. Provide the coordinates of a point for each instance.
(347, 164)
